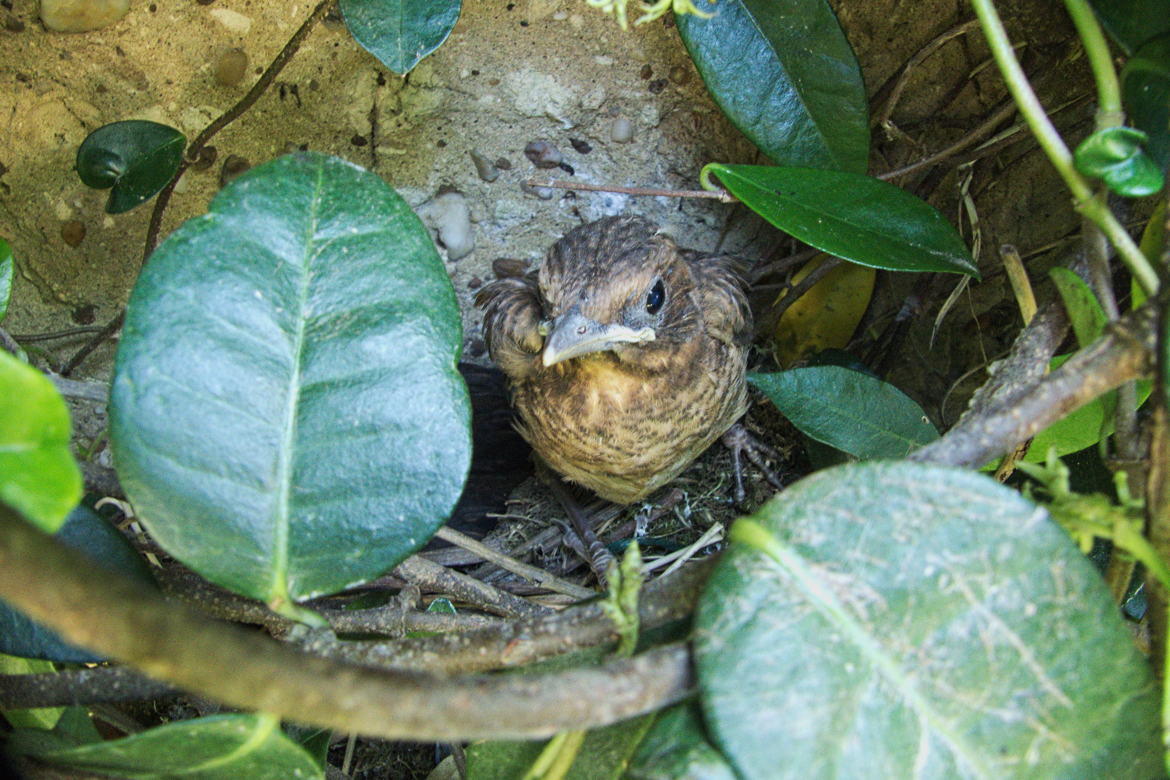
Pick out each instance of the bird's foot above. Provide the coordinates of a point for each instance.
(741, 442)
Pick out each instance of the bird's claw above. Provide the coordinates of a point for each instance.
(741, 442)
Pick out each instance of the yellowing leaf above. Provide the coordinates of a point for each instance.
(825, 316)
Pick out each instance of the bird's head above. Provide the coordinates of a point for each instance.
(616, 286)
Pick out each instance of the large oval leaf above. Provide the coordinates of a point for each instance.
(902, 620)
(857, 218)
(400, 32)
(850, 410)
(7, 268)
(86, 531)
(38, 476)
(784, 74)
(135, 158)
(677, 747)
(286, 412)
(218, 747)
(1145, 89)
(1133, 22)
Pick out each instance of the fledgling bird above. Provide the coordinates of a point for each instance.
(625, 354)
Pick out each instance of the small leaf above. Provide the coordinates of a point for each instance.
(1133, 22)
(38, 476)
(219, 747)
(854, 412)
(87, 532)
(7, 270)
(903, 620)
(677, 748)
(1084, 310)
(1145, 90)
(400, 32)
(826, 316)
(1116, 156)
(286, 413)
(604, 755)
(135, 157)
(857, 218)
(784, 74)
(32, 718)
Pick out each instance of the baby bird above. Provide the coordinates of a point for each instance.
(625, 354)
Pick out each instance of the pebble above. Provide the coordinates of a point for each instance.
(206, 158)
(622, 130)
(72, 232)
(230, 67)
(449, 217)
(656, 86)
(504, 164)
(580, 146)
(75, 16)
(474, 283)
(484, 167)
(544, 193)
(233, 166)
(646, 72)
(509, 267)
(543, 154)
(234, 21)
(680, 74)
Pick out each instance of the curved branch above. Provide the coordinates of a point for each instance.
(132, 623)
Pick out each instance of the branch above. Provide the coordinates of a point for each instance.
(132, 623)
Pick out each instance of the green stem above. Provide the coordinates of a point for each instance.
(1053, 146)
(1109, 111)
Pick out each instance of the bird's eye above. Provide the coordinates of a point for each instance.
(655, 298)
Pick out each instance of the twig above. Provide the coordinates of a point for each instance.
(430, 575)
(528, 571)
(883, 118)
(98, 392)
(56, 334)
(980, 131)
(164, 197)
(722, 196)
(132, 623)
(100, 685)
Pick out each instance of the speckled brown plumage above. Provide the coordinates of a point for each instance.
(625, 354)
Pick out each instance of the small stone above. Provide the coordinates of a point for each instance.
(656, 86)
(484, 167)
(622, 130)
(543, 154)
(646, 72)
(474, 283)
(84, 314)
(544, 193)
(72, 232)
(503, 163)
(680, 74)
(12, 24)
(233, 21)
(564, 166)
(205, 158)
(448, 215)
(509, 267)
(580, 146)
(75, 16)
(230, 67)
(476, 348)
(233, 166)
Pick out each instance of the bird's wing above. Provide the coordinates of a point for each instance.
(722, 286)
(511, 321)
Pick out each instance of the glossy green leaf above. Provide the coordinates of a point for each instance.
(857, 218)
(1133, 22)
(219, 747)
(784, 74)
(1084, 310)
(852, 411)
(1116, 155)
(135, 157)
(400, 32)
(32, 718)
(903, 620)
(604, 755)
(677, 748)
(7, 271)
(38, 476)
(286, 413)
(1145, 91)
(86, 531)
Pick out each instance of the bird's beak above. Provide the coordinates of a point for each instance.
(573, 334)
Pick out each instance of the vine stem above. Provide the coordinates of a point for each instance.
(1054, 147)
(1109, 112)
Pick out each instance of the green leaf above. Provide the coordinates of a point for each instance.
(897, 620)
(784, 74)
(677, 748)
(286, 413)
(850, 410)
(1084, 310)
(1116, 156)
(1145, 91)
(854, 217)
(87, 532)
(219, 747)
(38, 476)
(136, 158)
(1133, 22)
(32, 718)
(7, 270)
(604, 755)
(400, 32)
